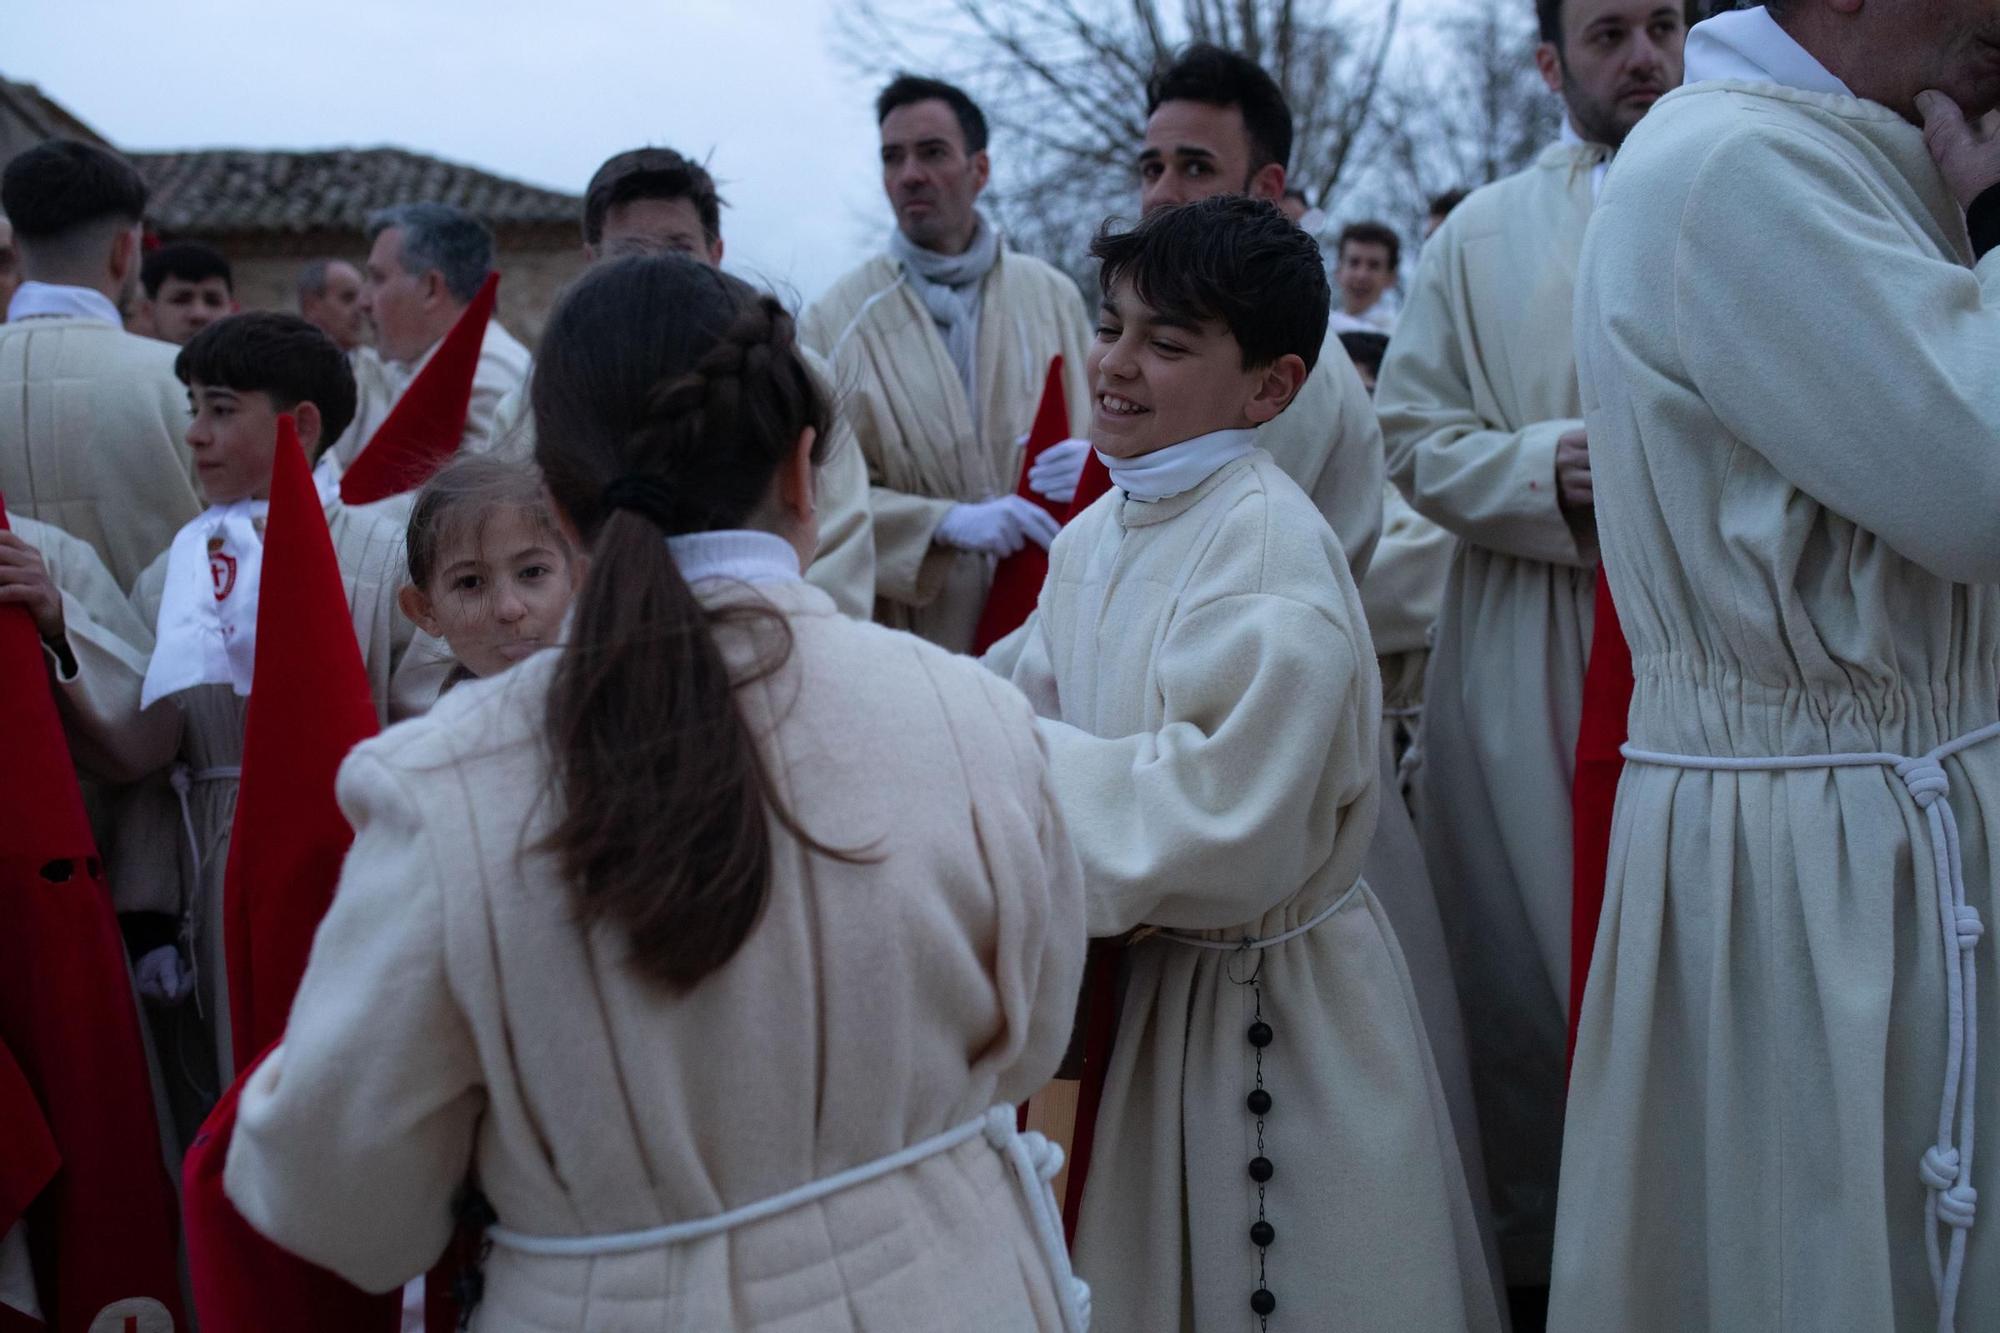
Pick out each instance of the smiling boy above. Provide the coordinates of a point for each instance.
(1272, 1133)
(201, 596)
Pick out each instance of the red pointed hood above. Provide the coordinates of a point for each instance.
(1017, 580)
(45, 818)
(423, 428)
(309, 705)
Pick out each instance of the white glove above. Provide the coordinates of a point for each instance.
(1056, 472)
(997, 527)
(162, 978)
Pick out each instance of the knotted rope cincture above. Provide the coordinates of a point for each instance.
(1946, 1168)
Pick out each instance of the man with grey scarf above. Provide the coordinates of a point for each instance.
(941, 348)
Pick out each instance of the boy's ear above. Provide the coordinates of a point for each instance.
(416, 608)
(1277, 384)
(306, 414)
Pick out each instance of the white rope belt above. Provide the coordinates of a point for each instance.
(1182, 937)
(185, 779)
(1946, 1169)
(1035, 1162)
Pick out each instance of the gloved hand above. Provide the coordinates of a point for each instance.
(1058, 469)
(997, 527)
(163, 978)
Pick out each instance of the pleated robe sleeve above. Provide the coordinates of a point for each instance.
(1456, 461)
(354, 1135)
(1231, 804)
(97, 688)
(1920, 379)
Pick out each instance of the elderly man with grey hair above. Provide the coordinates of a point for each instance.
(425, 264)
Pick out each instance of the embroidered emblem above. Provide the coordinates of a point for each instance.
(221, 569)
(134, 1314)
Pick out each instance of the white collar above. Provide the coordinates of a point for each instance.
(743, 554)
(1571, 138)
(52, 300)
(1178, 467)
(1747, 45)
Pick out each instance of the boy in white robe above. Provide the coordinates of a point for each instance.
(201, 597)
(1273, 1134)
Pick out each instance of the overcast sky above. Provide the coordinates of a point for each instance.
(539, 90)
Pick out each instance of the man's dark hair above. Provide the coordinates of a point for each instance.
(61, 185)
(281, 356)
(1211, 75)
(1441, 205)
(907, 89)
(1371, 233)
(650, 173)
(1228, 258)
(190, 261)
(1549, 15)
(438, 236)
(1366, 349)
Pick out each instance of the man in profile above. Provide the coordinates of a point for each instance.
(330, 297)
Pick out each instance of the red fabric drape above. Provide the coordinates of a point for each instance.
(101, 1227)
(1607, 698)
(1017, 579)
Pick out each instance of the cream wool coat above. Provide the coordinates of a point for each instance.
(1478, 385)
(1217, 761)
(844, 566)
(1797, 476)
(502, 368)
(455, 1017)
(1329, 442)
(924, 447)
(93, 429)
(194, 1045)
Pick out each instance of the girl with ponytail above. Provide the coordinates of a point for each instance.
(715, 946)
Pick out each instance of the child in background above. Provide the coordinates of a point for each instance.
(490, 572)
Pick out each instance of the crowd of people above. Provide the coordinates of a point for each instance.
(975, 806)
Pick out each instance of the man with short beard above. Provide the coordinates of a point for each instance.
(1479, 405)
(1788, 314)
(941, 348)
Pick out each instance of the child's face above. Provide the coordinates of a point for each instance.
(500, 592)
(234, 438)
(1158, 379)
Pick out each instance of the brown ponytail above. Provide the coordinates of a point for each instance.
(666, 397)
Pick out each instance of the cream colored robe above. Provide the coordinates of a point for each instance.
(1788, 362)
(194, 1044)
(924, 448)
(1477, 386)
(1217, 761)
(1402, 596)
(844, 566)
(1329, 442)
(97, 690)
(872, 1006)
(502, 368)
(93, 430)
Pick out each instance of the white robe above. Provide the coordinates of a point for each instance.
(194, 1046)
(926, 449)
(1217, 763)
(1788, 359)
(1329, 442)
(1402, 596)
(502, 368)
(1478, 384)
(873, 1005)
(844, 566)
(93, 437)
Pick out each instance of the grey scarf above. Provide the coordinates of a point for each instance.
(950, 286)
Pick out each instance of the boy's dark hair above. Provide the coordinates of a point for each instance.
(650, 173)
(1441, 205)
(907, 89)
(281, 356)
(1366, 349)
(1371, 233)
(1229, 258)
(190, 261)
(1209, 74)
(61, 185)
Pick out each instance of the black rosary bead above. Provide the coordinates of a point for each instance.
(1262, 1233)
(1262, 1302)
(1260, 1169)
(1260, 1034)
(1260, 1102)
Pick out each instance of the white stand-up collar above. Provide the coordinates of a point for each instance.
(1570, 138)
(1748, 46)
(51, 300)
(742, 554)
(1178, 467)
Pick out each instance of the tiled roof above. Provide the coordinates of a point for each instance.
(232, 191)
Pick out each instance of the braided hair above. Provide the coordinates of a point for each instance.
(666, 397)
